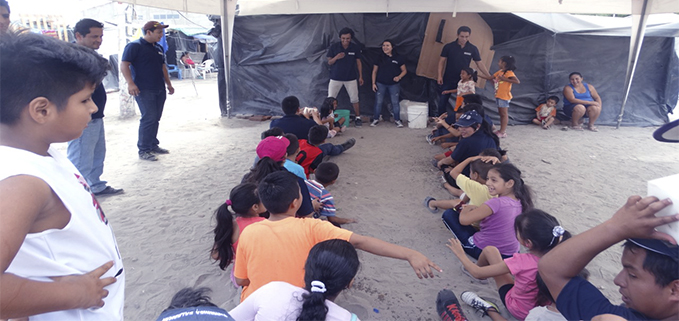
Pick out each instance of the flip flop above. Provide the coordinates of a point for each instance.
(578, 128)
(594, 129)
(426, 204)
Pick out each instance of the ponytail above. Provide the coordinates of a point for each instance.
(222, 250)
(330, 268)
(470, 71)
(541, 229)
(264, 167)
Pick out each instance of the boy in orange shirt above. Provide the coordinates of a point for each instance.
(276, 249)
(545, 113)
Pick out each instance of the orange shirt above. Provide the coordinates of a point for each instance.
(551, 112)
(277, 250)
(502, 88)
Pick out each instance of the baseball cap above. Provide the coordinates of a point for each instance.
(668, 133)
(658, 246)
(201, 313)
(274, 147)
(154, 25)
(469, 118)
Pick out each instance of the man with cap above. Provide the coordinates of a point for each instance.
(144, 69)
(88, 151)
(648, 281)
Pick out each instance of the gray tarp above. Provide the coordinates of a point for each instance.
(277, 56)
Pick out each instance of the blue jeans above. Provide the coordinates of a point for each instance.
(151, 104)
(87, 153)
(392, 91)
(331, 150)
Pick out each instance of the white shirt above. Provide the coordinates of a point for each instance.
(84, 244)
(278, 301)
(544, 314)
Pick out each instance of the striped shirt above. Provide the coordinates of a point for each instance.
(318, 192)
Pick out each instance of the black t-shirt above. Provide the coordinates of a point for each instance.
(458, 58)
(472, 146)
(344, 69)
(580, 300)
(99, 99)
(294, 124)
(388, 68)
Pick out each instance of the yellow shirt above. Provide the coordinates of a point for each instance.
(477, 192)
(503, 88)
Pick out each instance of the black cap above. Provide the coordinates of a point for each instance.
(658, 246)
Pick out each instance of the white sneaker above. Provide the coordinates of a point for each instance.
(374, 123)
(399, 124)
(478, 303)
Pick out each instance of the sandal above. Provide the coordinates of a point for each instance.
(578, 128)
(592, 128)
(426, 204)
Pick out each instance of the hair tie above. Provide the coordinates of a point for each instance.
(228, 202)
(557, 231)
(317, 286)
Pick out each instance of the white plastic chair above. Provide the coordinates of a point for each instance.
(206, 67)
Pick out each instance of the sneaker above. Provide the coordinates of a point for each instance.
(478, 303)
(374, 123)
(448, 307)
(482, 281)
(348, 144)
(159, 150)
(109, 191)
(148, 156)
(430, 140)
(359, 122)
(399, 124)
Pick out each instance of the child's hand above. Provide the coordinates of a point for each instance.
(316, 203)
(444, 116)
(422, 265)
(490, 159)
(88, 289)
(441, 121)
(468, 208)
(455, 246)
(636, 219)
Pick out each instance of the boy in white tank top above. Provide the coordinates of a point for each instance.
(58, 256)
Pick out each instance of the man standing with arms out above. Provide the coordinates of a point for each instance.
(455, 56)
(143, 66)
(88, 151)
(4, 16)
(344, 59)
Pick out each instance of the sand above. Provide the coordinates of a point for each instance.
(164, 222)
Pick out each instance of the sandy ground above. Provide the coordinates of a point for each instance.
(163, 221)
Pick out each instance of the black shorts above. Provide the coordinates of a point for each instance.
(503, 292)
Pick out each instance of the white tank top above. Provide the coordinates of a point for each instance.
(84, 244)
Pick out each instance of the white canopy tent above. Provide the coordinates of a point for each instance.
(639, 9)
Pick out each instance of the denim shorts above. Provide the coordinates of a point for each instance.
(502, 103)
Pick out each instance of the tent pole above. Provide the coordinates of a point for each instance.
(640, 16)
(226, 53)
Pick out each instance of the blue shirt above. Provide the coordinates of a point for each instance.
(294, 124)
(472, 146)
(580, 300)
(344, 69)
(147, 60)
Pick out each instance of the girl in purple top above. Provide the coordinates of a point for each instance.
(496, 215)
(515, 277)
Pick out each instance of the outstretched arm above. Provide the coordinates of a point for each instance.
(420, 263)
(636, 219)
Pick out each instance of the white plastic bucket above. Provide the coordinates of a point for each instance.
(417, 115)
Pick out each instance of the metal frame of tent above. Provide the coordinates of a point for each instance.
(639, 9)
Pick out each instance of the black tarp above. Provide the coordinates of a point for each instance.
(278, 56)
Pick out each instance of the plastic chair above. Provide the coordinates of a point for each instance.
(207, 67)
(172, 69)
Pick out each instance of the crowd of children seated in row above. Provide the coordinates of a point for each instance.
(60, 260)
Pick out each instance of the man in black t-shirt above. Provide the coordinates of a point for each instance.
(455, 56)
(344, 58)
(648, 281)
(88, 151)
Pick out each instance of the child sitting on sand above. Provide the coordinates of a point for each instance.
(291, 154)
(313, 150)
(545, 113)
(515, 277)
(496, 215)
(59, 257)
(330, 268)
(276, 249)
(326, 174)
